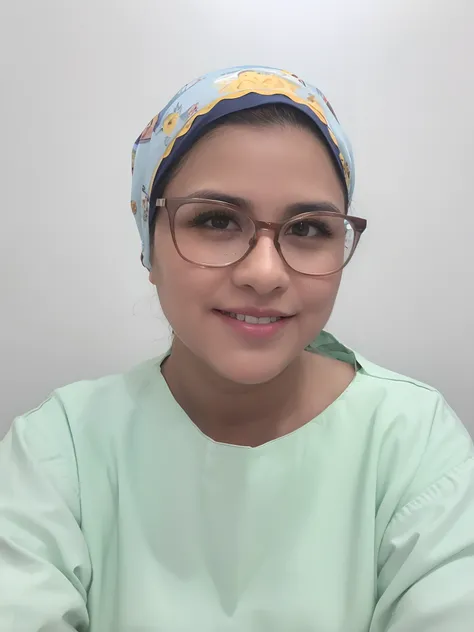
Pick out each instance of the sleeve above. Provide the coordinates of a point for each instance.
(426, 558)
(45, 568)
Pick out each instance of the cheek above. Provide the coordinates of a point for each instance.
(168, 267)
(319, 295)
(168, 272)
(184, 290)
(162, 263)
(175, 289)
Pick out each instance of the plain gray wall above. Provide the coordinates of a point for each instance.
(79, 80)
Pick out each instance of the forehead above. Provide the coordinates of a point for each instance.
(274, 163)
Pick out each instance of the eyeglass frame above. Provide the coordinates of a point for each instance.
(172, 205)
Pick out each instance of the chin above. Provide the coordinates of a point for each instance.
(250, 368)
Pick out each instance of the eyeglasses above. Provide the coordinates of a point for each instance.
(217, 234)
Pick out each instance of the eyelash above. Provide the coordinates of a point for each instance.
(204, 217)
(323, 228)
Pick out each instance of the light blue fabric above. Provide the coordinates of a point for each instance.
(171, 132)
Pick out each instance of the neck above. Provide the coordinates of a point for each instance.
(234, 413)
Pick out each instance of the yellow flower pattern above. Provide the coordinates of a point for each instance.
(333, 138)
(346, 169)
(252, 80)
(170, 123)
(317, 108)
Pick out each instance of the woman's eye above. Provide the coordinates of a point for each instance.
(219, 223)
(304, 229)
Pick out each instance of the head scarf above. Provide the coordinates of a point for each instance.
(199, 103)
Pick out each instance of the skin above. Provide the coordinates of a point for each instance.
(239, 391)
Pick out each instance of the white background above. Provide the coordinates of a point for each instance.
(79, 80)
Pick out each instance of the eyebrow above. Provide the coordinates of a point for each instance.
(290, 211)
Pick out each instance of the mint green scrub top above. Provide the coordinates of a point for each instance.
(118, 515)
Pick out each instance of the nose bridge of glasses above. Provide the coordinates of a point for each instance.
(262, 228)
(271, 229)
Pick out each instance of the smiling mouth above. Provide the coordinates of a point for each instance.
(253, 320)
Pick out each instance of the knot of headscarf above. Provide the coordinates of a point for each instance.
(199, 103)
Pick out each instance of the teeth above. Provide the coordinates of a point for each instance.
(253, 320)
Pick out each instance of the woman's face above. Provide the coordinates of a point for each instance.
(272, 168)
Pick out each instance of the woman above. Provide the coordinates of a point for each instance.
(260, 476)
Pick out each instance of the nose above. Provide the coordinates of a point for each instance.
(263, 269)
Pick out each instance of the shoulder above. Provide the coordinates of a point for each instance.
(405, 427)
(420, 437)
(405, 401)
(88, 406)
(379, 388)
(117, 394)
(384, 395)
(402, 393)
(77, 426)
